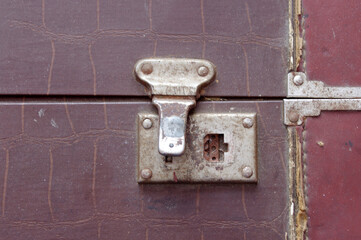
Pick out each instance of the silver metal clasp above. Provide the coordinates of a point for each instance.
(174, 86)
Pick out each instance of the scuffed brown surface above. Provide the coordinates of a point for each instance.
(333, 175)
(83, 47)
(332, 41)
(67, 171)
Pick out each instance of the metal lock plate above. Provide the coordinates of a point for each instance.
(219, 148)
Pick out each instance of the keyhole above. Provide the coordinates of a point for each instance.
(214, 147)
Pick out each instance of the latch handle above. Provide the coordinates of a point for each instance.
(174, 85)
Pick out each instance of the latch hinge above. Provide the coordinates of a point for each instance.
(324, 98)
(174, 85)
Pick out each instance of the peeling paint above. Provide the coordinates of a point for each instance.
(297, 33)
(297, 214)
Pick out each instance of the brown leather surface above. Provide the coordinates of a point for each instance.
(332, 41)
(333, 175)
(83, 47)
(67, 171)
(333, 172)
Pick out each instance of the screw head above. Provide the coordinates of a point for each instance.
(146, 173)
(298, 80)
(293, 116)
(203, 71)
(247, 172)
(147, 68)
(147, 123)
(247, 122)
(171, 145)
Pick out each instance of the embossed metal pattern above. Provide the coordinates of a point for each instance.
(239, 163)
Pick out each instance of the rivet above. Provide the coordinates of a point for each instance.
(147, 123)
(203, 71)
(147, 68)
(247, 172)
(293, 116)
(171, 145)
(298, 80)
(247, 122)
(146, 173)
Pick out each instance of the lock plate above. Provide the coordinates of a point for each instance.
(219, 148)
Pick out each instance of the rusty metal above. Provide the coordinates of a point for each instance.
(214, 147)
(296, 110)
(300, 87)
(174, 86)
(147, 68)
(233, 146)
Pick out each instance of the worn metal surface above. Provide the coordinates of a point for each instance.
(239, 163)
(89, 47)
(67, 170)
(174, 85)
(174, 76)
(173, 115)
(300, 87)
(333, 175)
(296, 110)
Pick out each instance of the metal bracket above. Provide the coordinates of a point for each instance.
(220, 148)
(174, 85)
(300, 87)
(296, 110)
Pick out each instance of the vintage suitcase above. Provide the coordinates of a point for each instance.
(79, 134)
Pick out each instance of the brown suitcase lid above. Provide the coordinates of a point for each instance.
(84, 48)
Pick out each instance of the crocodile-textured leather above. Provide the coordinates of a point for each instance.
(67, 171)
(89, 47)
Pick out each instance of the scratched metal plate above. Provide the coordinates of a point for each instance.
(192, 166)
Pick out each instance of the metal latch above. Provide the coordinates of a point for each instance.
(174, 85)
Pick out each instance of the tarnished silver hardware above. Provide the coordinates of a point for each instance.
(174, 85)
(219, 148)
(300, 87)
(296, 110)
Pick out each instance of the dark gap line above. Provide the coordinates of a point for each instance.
(125, 98)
